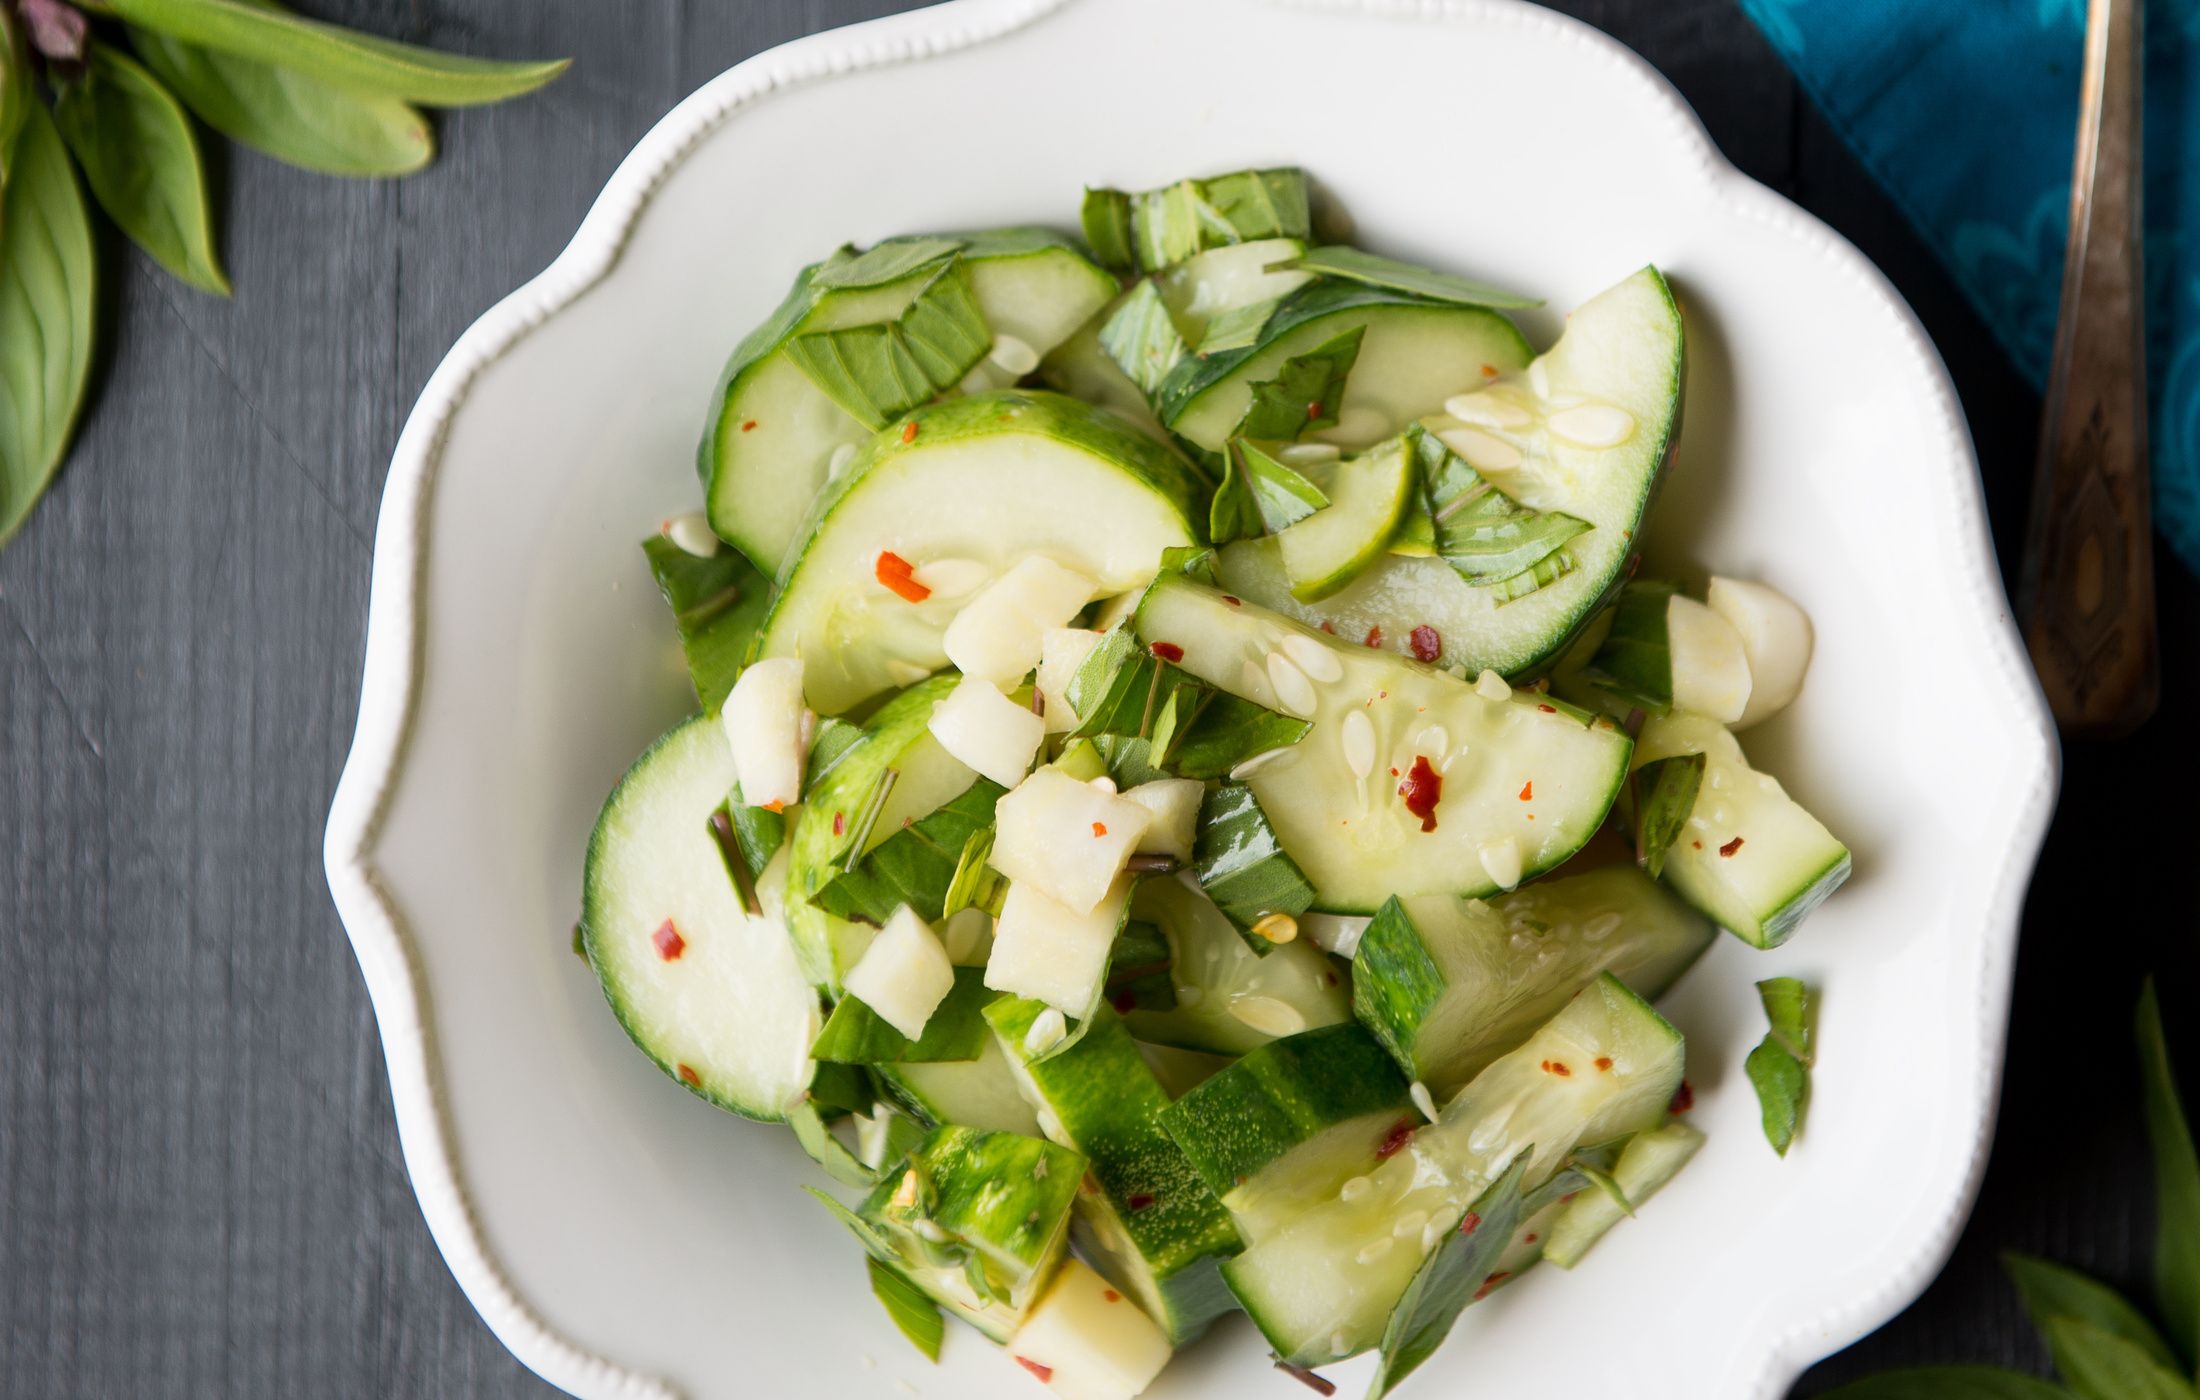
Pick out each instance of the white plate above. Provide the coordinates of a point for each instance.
(624, 1239)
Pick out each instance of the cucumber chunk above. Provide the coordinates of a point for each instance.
(1621, 358)
(1368, 495)
(1322, 1285)
(711, 994)
(1748, 856)
(1410, 781)
(775, 432)
(1448, 985)
(1651, 1158)
(1666, 651)
(955, 482)
(1082, 368)
(1412, 354)
(979, 1093)
(1152, 1227)
(1229, 999)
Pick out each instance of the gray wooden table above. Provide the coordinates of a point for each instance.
(200, 1189)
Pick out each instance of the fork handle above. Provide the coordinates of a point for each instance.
(2088, 581)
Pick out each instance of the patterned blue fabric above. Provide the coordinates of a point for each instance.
(1965, 110)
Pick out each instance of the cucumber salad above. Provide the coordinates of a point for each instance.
(1192, 802)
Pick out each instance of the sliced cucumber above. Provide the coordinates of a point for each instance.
(1413, 353)
(1230, 278)
(1666, 651)
(1621, 358)
(978, 1093)
(1082, 368)
(1322, 1285)
(1522, 782)
(775, 432)
(955, 482)
(1448, 985)
(714, 996)
(1368, 495)
(1748, 856)
(1152, 1227)
(1651, 1158)
(1229, 999)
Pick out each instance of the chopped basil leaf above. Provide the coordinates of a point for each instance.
(826, 1150)
(1351, 264)
(717, 604)
(1242, 865)
(855, 1034)
(915, 866)
(1665, 791)
(880, 371)
(1635, 662)
(1283, 496)
(1489, 539)
(1305, 394)
(915, 1315)
(1142, 339)
(1455, 1273)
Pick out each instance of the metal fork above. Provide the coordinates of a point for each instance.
(2087, 588)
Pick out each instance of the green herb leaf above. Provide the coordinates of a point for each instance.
(1489, 539)
(1142, 338)
(1950, 1383)
(826, 1150)
(334, 54)
(139, 155)
(1635, 661)
(717, 603)
(856, 1035)
(1789, 1009)
(1106, 219)
(975, 885)
(889, 261)
(1281, 495)
(914, 1314)
(1170, 224)
(914, 866)
(880, 371)
(2176, 1184)
(286, 114)
(1351, 264)
(1780, 1083)
(2100, 1365)
(1121, 687)
(832, 743)
(1226, 732)
(1238, 327)
(46, 303)
(2051, 1291)
(1305, 394)
(1455, 1273)
(842, 1089)
(1666, 791)
(1243, 866)
(15, 91)
(1259, 203)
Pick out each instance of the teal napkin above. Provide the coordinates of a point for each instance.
(1966, 111)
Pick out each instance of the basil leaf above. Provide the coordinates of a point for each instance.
(832, 743)
(1121, 687)
(1351, 264)
(2099, 1365)
(1156, 229)
(1665, 793)
(1488, 538)
(1305, 394)
(1780, 1083)
(1106, 219)
(46, 303)
(914, 866)
(2051, 1291)
(1635, 662)
(856, 1035)
(1238, 327)
(1281, 495)
(889, 261)
(1259, 203)
(1226, 732)
(1129, 760)
(1233, 513)
(287, 114)
(826, 1150)
(1456, 1273)
(1243, 867)
(1142, 338)
(15, 92)
(758, 832)
(914, 1314)
(1788, 1008)
(135, 145)
(1949, 1383)
(334, 54)
(1140, 947)
(844, 1089)
(880, 371)
(2176, 1183)
(717, 603)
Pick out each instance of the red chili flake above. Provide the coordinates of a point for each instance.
(1527, 791)
(1548, 709)
(1111, 1295)
(1684, 1098)
(1731, 847)
(1393, 772)
(689, 1077)
(1489, 371)
(1491, 1282)
(749, 426)
(1138, 1200)
(1427, 645)
(1530, 1239)
(1332, 976)
(1422, 790)
(1233, 601)
(1568, 1198)
(1557, 1067)
(1314, 408)
(1124, 1002)
(900, 575)
(1697, 844)
(1401, 1133)
(1044, 1373)
(1375, 635)
(1329, 627)
(1470, 1224)
(670, 945)
(1099, 829)
(777, 804)
(1604, 1062)
(909, 432)
(1167, 651)
(840, 823)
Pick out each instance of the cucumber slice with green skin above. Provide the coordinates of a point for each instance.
(1448, 985)
(1322, 1286)
(1413, 353)
(1221, 280)
(1082, 368)
(1153, 1228)
(1651, 1158)
(968, 1199)
(1520, 779)
(1748, 856)
(1368, 495)
(978, 1093)
(714, 996)
(774, 431)
(1238, 1124)
(955, 482)
(1229, 999)
(1622, 357)
(1666, 651)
